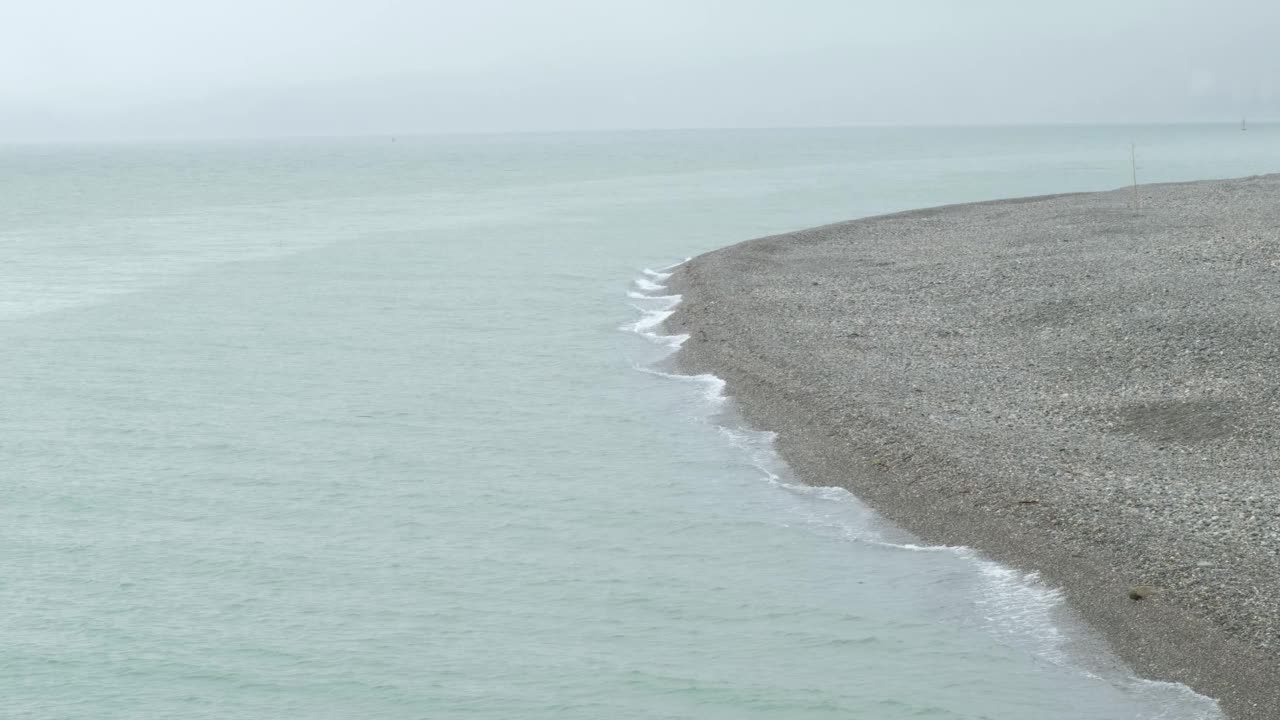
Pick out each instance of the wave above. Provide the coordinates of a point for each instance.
(649, 285)
(713, 385)
(652, 319)
(672, 300)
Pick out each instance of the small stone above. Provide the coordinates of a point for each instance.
(1140, 592)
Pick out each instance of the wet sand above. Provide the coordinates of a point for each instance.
(1084, 385)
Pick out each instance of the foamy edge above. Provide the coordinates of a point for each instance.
(1020, 603)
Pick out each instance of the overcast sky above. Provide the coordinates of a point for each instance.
(173, 68)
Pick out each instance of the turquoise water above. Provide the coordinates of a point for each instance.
(356, 428)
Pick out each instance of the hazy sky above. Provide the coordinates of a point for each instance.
(133, 68)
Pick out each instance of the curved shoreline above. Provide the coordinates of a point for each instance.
(1067, 383)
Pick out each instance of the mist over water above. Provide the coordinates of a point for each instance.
(362, 428)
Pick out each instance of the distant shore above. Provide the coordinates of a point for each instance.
(1085, 385)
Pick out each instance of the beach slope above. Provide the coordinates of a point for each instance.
(1084, 385)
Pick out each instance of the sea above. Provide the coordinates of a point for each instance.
(386, 428)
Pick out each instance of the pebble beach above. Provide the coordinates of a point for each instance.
(1081, 385)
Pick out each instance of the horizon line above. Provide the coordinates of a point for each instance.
(285, 136)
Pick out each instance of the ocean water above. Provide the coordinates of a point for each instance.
(380, 428)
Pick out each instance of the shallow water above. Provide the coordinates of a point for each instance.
(337, 428)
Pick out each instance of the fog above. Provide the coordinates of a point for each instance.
(85, 69)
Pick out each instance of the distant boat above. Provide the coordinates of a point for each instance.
(1243, 127)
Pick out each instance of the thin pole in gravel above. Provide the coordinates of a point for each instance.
(1133, 164)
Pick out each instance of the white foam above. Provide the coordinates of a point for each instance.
(670, 300)
(651, 319)
(758, 444)
(1175, 700)
(643, 328)
(648, 285)
(714, 386)
(1021, 606)
(1016, 606)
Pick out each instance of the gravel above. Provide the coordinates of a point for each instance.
(1085, 385)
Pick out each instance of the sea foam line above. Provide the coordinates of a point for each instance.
(1015, 604)
(1017, 596)
(713, 384)
(1019, 605)
(651, 319)
(671, 300)
(648, 285)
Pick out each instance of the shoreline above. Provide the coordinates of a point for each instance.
(1067, 384)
